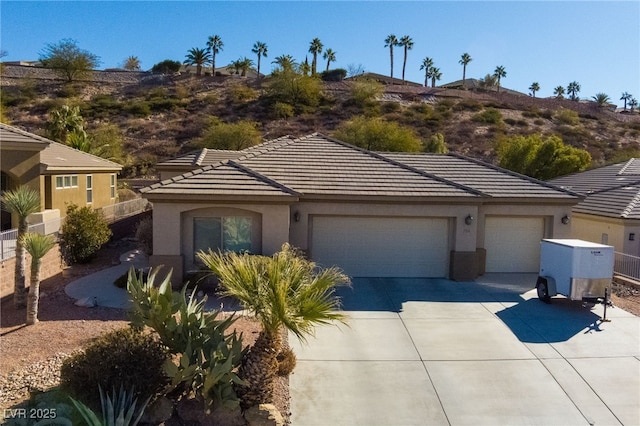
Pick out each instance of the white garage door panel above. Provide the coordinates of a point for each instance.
(382, 247)
(513, 244)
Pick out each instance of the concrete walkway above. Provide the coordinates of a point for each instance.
(436, 352)
(99, 285)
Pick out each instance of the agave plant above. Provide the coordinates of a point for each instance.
(117, 409)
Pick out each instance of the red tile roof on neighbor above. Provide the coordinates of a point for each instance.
(611, 191)
(320, 167)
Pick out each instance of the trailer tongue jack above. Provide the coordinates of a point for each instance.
(606, 301)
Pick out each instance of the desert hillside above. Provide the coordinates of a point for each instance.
(160, 116)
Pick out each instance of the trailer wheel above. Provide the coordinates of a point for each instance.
(543, 291)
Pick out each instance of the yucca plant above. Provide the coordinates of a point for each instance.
(21, 201)
(117, 410)
(38, 246)
(282, 291)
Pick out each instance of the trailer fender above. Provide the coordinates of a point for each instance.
(546, 288)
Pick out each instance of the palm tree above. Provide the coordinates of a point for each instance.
(559, 92)
(197, 57)
(330, 56)
(285, 62)
(63, 121)
(464, 60)
(260, 49)
(499, 72)
(633, 103)
(214, 44)
(305, 68)
(427, 64)
(572, 89)
(244, 65)
(284, 291)
(315, 48)
(37, 245)
(389, 42)
(601, 99)
(21, 201)
(435, 76)
(407, 43)
(132, 63)
(625, 97)
(535, 87)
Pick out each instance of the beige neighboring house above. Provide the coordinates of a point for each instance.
(372, 214)
(610, 211)
(61, 174)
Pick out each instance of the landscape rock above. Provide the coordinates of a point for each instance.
(158, 412)
(264, 415)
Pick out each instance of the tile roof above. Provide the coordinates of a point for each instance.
(317, 166)
(611, 191)
(54, 156)
(199, 158)
(486, 178)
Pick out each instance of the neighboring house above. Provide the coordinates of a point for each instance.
(475, 84)
(610, 212)
(194, 160)
(372, 214)
(384, 79)
(61, 174)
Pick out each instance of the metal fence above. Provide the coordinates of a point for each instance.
(627, 265)
(112, 213)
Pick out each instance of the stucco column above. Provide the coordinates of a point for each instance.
(275, 228)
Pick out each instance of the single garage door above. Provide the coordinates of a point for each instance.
(513, 243)
(382, 247)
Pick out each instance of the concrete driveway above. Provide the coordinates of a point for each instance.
(437, 352)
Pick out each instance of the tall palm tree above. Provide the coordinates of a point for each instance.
(573, 89)
(435, 75)
(559, 92)
(284, 291)
(132, 63)
(38, 246)
(330, 56)
(464, 60)
(535, 87)
(315, 48)
(214, 44)
(21, 201)
(499, 72)
(427, 64)
(260, 49)
(389, 42)
(407, 43)
(198, 57)
(633, 103)
(285, 62)
(244, 65)
(625, 97)
(601, 99)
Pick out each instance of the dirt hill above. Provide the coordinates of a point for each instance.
(160, 116)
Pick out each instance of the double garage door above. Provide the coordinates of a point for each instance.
(382, 246)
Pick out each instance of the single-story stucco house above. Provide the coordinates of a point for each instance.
(58, 172)
(372, 214)
(610, 211)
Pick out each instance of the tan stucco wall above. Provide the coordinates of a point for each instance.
(22, 166)
(592, 228)
(60, 198)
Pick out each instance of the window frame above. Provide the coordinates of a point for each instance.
(112, 185)
(89, 189)
(66, 181)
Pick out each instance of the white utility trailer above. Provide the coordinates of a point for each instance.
(580, 270)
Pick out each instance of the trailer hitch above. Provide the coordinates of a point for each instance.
(606, 301)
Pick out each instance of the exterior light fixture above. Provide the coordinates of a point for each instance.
(565, 219)
(468, 220)
(296, 216)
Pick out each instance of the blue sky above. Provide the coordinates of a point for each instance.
(549, 42)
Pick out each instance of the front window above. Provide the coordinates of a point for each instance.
(231, 233)
(112, 186)
(69, 181)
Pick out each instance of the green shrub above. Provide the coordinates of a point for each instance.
(337, 74)
(144, 235)
(205, 355)
(167, 66)
(241, 93)
(122, 358)
(283, 110)
(490, 116)
(468, 105)
(377, 134)
(391, 107)
(365, 91)
(138, 108)
(436, 144)
(82, 234)
(237, 136)
(567, 116)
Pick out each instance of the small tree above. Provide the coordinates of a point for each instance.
(294, 88)
(22, 202)
(83, 233)
(436, 144)
(167, 66)
(38, 246)
(236, 136)
(377, 134)
(68, 60)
